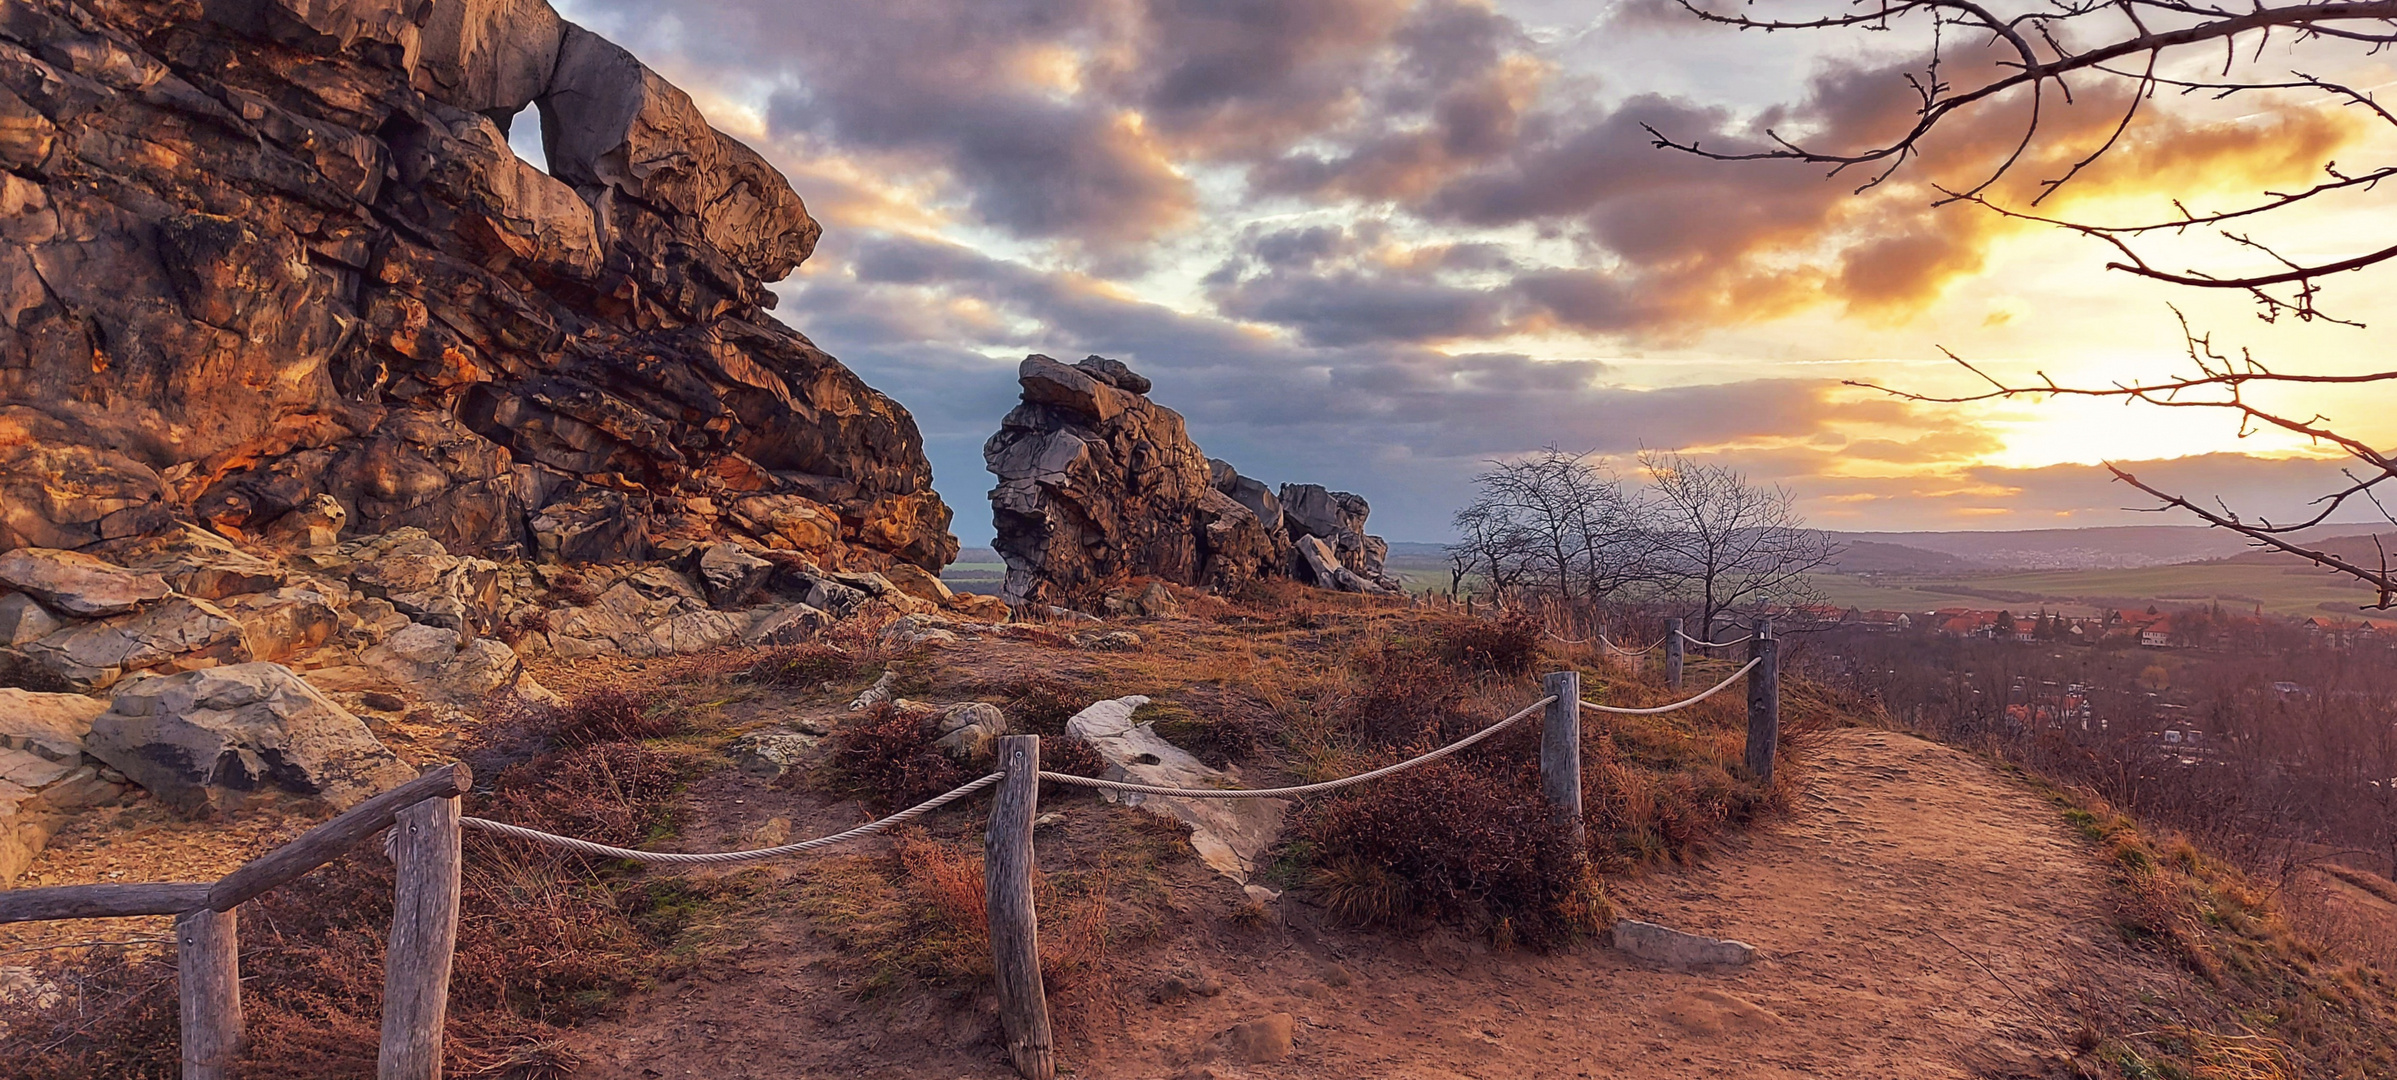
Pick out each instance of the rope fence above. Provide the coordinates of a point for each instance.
(1302, 789)
(1716, 644)
(1678, 705)
(726, 858)
(421, 824)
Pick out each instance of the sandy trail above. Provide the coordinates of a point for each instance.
(1919, 915)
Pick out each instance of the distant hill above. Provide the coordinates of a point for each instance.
(2362, 549)
(1876, 557)
(2112, 547)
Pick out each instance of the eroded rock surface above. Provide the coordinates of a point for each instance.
(1099, 485)
(273, 266)
(1228, 834)
(203, 736)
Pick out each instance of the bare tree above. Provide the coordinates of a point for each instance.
(1725, 544)
(2055, 55)
(1558, 522)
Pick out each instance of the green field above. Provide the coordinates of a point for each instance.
(2236, 585)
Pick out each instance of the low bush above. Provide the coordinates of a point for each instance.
(615, 793)
(1221, 731)
(886, 757)
(1447, 845)
(611, 715)
(803, 666)
(1040, 703)
(1408, 697)
(1507, 645)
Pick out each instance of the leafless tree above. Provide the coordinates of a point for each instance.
(1725, 544)
(1556, 521)
(2024, 62)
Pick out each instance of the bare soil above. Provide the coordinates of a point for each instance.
(1919, 915)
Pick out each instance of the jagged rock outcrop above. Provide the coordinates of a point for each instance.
(271, 265)
(1098, 484)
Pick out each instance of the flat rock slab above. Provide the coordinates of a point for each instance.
(78, 584)
(1677, 950)
(1229, 834)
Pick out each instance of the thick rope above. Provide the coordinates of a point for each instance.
(720, 858)
(1717, 689)
(1303, 789)
(1628, 652)
(1719, 644)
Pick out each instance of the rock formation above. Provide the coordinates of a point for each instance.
(272, 265)
(1099, 485)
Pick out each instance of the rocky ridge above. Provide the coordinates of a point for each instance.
(272, 266)
(1099, 485)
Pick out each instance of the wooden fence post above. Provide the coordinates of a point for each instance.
(1673, 654)
(1014, 926)
(1764, 701)
(1560, 753)
(208, 985)
(424, 938)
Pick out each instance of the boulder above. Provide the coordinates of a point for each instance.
(438, 663)
(1098, 484)
(203, 737)
(769, 754)
(79, 585)
(177, 635)
(730, 576)
(920, 583)
(791, 625)
(24, 619)
(979, 607)
(318, 294)
(49, 726)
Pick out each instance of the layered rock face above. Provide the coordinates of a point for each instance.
(1099, 485)
(272, 265)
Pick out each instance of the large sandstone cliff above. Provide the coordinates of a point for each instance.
(272, 265)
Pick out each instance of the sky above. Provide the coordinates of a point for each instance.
(1377, 244)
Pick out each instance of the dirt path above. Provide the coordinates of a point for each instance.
(1918, 916)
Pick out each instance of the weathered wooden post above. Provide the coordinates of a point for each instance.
(424, 938)
(1014, 925)
(208, 978)
(1673, 654)
(1764, 701)
(1560, 753)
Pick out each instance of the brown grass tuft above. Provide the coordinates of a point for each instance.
(886, 757)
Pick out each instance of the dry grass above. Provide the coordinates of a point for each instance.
(2272, 1001)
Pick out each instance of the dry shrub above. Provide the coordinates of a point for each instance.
(543, 940)
(803, 666)
(1221, 730)
(611, 715)
(886, 757)
(946, 936)
(615, 793)
(1071, 755)
(1408, 697)
(115, 1017)
(1444, 844)
(1039, 703)
(1507, 645)
(571, 589)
